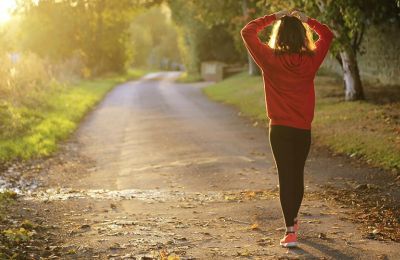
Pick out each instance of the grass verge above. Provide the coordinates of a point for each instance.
(361, 129)
(54, 118)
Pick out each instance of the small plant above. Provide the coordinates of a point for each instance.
(18, 235)
(28, 225)
(8, 195)
(6, 198)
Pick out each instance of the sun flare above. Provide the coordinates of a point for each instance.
(6, 8)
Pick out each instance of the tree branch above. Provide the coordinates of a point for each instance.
(360, 37)
(354, 41)
(339, 59)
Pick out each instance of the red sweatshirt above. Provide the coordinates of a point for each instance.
(288, 78)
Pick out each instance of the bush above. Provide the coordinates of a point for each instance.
(27, 82)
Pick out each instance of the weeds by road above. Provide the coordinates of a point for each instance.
(34, 129)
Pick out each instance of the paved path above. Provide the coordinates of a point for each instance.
(175, 173)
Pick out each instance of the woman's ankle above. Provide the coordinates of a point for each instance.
(290, 229)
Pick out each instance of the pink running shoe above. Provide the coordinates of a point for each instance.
(290, 240)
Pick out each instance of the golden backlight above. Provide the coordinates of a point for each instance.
(6, 8)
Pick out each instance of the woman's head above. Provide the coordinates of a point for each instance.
(290, 35)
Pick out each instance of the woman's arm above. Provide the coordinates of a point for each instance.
(250, 35)
(325, 38)
(324, 33)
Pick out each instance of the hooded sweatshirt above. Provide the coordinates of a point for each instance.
(288, 78)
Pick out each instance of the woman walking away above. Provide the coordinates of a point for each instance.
(289, 64)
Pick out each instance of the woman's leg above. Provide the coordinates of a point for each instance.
(302, 148)
(282, 144)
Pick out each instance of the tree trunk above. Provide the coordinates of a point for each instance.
(254, 70)
(98, 38)
(351, 76)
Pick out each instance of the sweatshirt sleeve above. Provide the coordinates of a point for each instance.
(325, 38)
(249, 33)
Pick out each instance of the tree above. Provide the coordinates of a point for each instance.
(96, 29)
(48, 30)
(253, 68)
(348, 19)
(190, 32)
(200, 40)
(231, 14)
(103, 35)
(154, 38)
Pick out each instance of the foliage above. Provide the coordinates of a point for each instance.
(98, 30)
(18, 235)
(191, 31)
(48, 29)
(347, 18)
(200, 41)
(26, 82)
(22, 76)
(155, 39)
(231, 15)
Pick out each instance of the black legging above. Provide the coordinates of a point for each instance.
(290, 147)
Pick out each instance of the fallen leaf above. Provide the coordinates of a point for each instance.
(254, 226)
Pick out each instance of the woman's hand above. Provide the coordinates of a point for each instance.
(281, 14)
(299, 15)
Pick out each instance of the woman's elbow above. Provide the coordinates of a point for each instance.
(243, 32)
(246, 34)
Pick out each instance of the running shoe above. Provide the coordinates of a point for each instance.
(290, 240)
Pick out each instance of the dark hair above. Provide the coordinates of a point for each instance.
(290, 35)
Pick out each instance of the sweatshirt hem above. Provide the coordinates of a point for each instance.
(291, 124)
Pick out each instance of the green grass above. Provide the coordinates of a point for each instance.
(189, 78)
(132, 74)
(359, 129)
(242, 91)
(57, 116)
